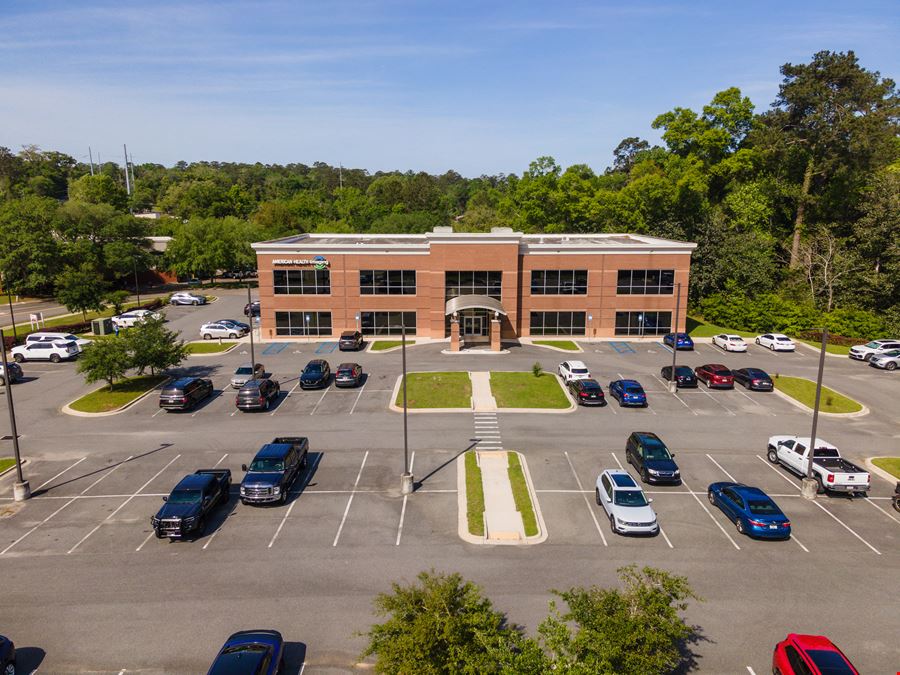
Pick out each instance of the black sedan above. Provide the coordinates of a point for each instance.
(315, 375)
(753, 378)
(348, 375)
(587, 392)
(684, 376)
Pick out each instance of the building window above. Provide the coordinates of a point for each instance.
(643, 323)
(302, 282)
(302, 323)
(387, 323)
(645, 282)
(473, 283)
(557, 323)
(387, 282)
(559, 282)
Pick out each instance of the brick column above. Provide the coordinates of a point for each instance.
(495, 335)
(454, 335)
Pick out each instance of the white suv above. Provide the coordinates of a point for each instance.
(626, 506)
(573, 370)
(136, 316)
(730, 343)
(46, 336)
(45, 351)
(873, 348)
(184, 298)
(208, 331)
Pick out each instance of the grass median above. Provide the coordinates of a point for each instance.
(67, 319)
(521, 494)
(122, 393)
(699, 328)
(474, 495)
(889, 464)
(524, 390)
(803, 390)
(436, 390)
(842, 350)
(6, 462)
(209, 347)
(381, 345)
(565, 345)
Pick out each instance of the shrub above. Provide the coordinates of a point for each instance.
(537, 369)
(858, 323)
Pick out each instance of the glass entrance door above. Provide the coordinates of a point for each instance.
(472, 326)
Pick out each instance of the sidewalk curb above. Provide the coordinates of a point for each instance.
(542, 534)
(790, 399)
(12, 468)
(818, 350)
(77, 413)
(531, 343)
(234, 346)
(462, 504)
(878, 471)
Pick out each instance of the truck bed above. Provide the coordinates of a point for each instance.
(838, 465)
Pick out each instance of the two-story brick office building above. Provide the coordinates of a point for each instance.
(471, 288)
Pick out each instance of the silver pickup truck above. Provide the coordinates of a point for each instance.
(832, 472)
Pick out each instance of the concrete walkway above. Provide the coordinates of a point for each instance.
(502, 522)
(482, 398)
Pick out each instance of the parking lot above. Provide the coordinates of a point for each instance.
(311, 567)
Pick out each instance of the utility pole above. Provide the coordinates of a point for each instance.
(406, 479)
(127, 180)
(251, 317)
(673, 382)
(809, 485)
(137, 287)
(21, 488)
(91, 159)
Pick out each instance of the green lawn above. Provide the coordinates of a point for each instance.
(568, 345)
(122, 393)
(437, 390)
(842, 350)
(474, 495)
(209, 347)
(381, 345)
(524, 390)
(804, 390)
(889, 464)
(699, 328)
(5, 463)
(75, 318)
(521, 494)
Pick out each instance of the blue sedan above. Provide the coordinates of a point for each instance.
(250, 651)
(752, 511)
(684, 341)
(628, 392)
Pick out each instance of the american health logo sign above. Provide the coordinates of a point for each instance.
(319, 262)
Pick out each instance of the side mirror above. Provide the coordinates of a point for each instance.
(243, 467)
(650, 500)
(165, 499)
(672, 455)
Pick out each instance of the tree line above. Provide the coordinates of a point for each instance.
(799, 201)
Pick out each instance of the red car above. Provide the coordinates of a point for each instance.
(715, 375)
(810, 655)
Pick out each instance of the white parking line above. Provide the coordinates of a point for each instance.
(703, 506)
(350, 501)
(721, 468)
(749, 669)
(60, 474)
(316, 407)
(586, 500)
(661, 531)
(285, 399)
(725, 407)
(359, 396)
(412, 459)
(162, 410)
(838, 520)
(122, 505)
(869, 500)
(309, 472)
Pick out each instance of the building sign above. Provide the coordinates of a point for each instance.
(319, 262)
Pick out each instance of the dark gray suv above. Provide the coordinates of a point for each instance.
(257, 395)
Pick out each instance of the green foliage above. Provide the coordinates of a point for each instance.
(117, 299)
(29, 255)
(204, 245)
(106, 360)
(99, 189)
(81, 288)
(151, 345)
(443, 624)
(637, 629)
(537, 369)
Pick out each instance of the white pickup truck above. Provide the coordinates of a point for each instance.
(832, 472)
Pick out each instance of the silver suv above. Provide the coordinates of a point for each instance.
(888, 360)
(873, 348)
(626, 506)
(246, 372)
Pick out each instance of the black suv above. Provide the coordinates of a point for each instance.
(315, 375)
(185, 393)
(350, 341)
(251, 309)
(646, 452)
(587, 392)
(257, 395)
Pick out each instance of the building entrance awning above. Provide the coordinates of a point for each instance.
(473, 302)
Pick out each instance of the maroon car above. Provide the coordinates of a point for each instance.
(715, 375)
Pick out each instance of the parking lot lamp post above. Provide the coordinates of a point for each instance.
(406, 479)
(252, 350)
(673, 382)
(810, 485)
(12, 316)
(21, 488)
(137, 287)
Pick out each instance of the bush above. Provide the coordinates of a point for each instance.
(537, 369)
(857, 323)
(816, 336)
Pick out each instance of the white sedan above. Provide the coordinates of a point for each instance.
(730, 343)
(776, 342)
(573, 370)
(129, 319)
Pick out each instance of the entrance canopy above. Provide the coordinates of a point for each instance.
(473, 302)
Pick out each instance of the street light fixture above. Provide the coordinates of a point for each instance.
(251, 317)
(407, 484)
(809, 485)
(21, 488)
(12, 315)
(673, 382)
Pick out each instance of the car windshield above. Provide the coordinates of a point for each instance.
(829, 662)
(589, 385)
(721, 372)
(345, 371)
(630, 498)
(654, 449)
(684, 371)
(267, 464)
(580, 371)
(313, 370)
(783, 339)
(244, 370)
(634, 390)
(761, 507)
(239, 659)
(184, 497)
(872, 345)
(736, 339)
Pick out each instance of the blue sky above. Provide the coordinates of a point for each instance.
(478, 87)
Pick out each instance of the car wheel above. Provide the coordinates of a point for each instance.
(645, 476)
(773, 456)
(597, 496)
(757, 340)
(195, 303)
(2, 382)
(18, 358)
(266, 405)
(739, 524)
(890, 366)
(232, 336)
(612, 524)
(284, 497)
(820, 486)
(868, 357)
(772, 348)
(711, 497)
(54, 358)
(201, 527)
(207, 336)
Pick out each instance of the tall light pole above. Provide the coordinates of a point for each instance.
(21, 488)
(137, 288)
(12, 315)
(673, 382)
(252, 350)
(406, 478)
(809, 485)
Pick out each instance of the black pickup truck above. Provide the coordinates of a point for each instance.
(184, 513)
(274, 469)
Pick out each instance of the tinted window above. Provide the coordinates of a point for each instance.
(684, 371)
(240, 660)
(633, 390)
(313, 368)
(244, 370)
(830, 663)
(826, 452)
(630, 498)
(762, 508)
(267, 464)
(184, 497)
(721, 371)
(796, 661)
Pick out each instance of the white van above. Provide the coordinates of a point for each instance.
(46, 336)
